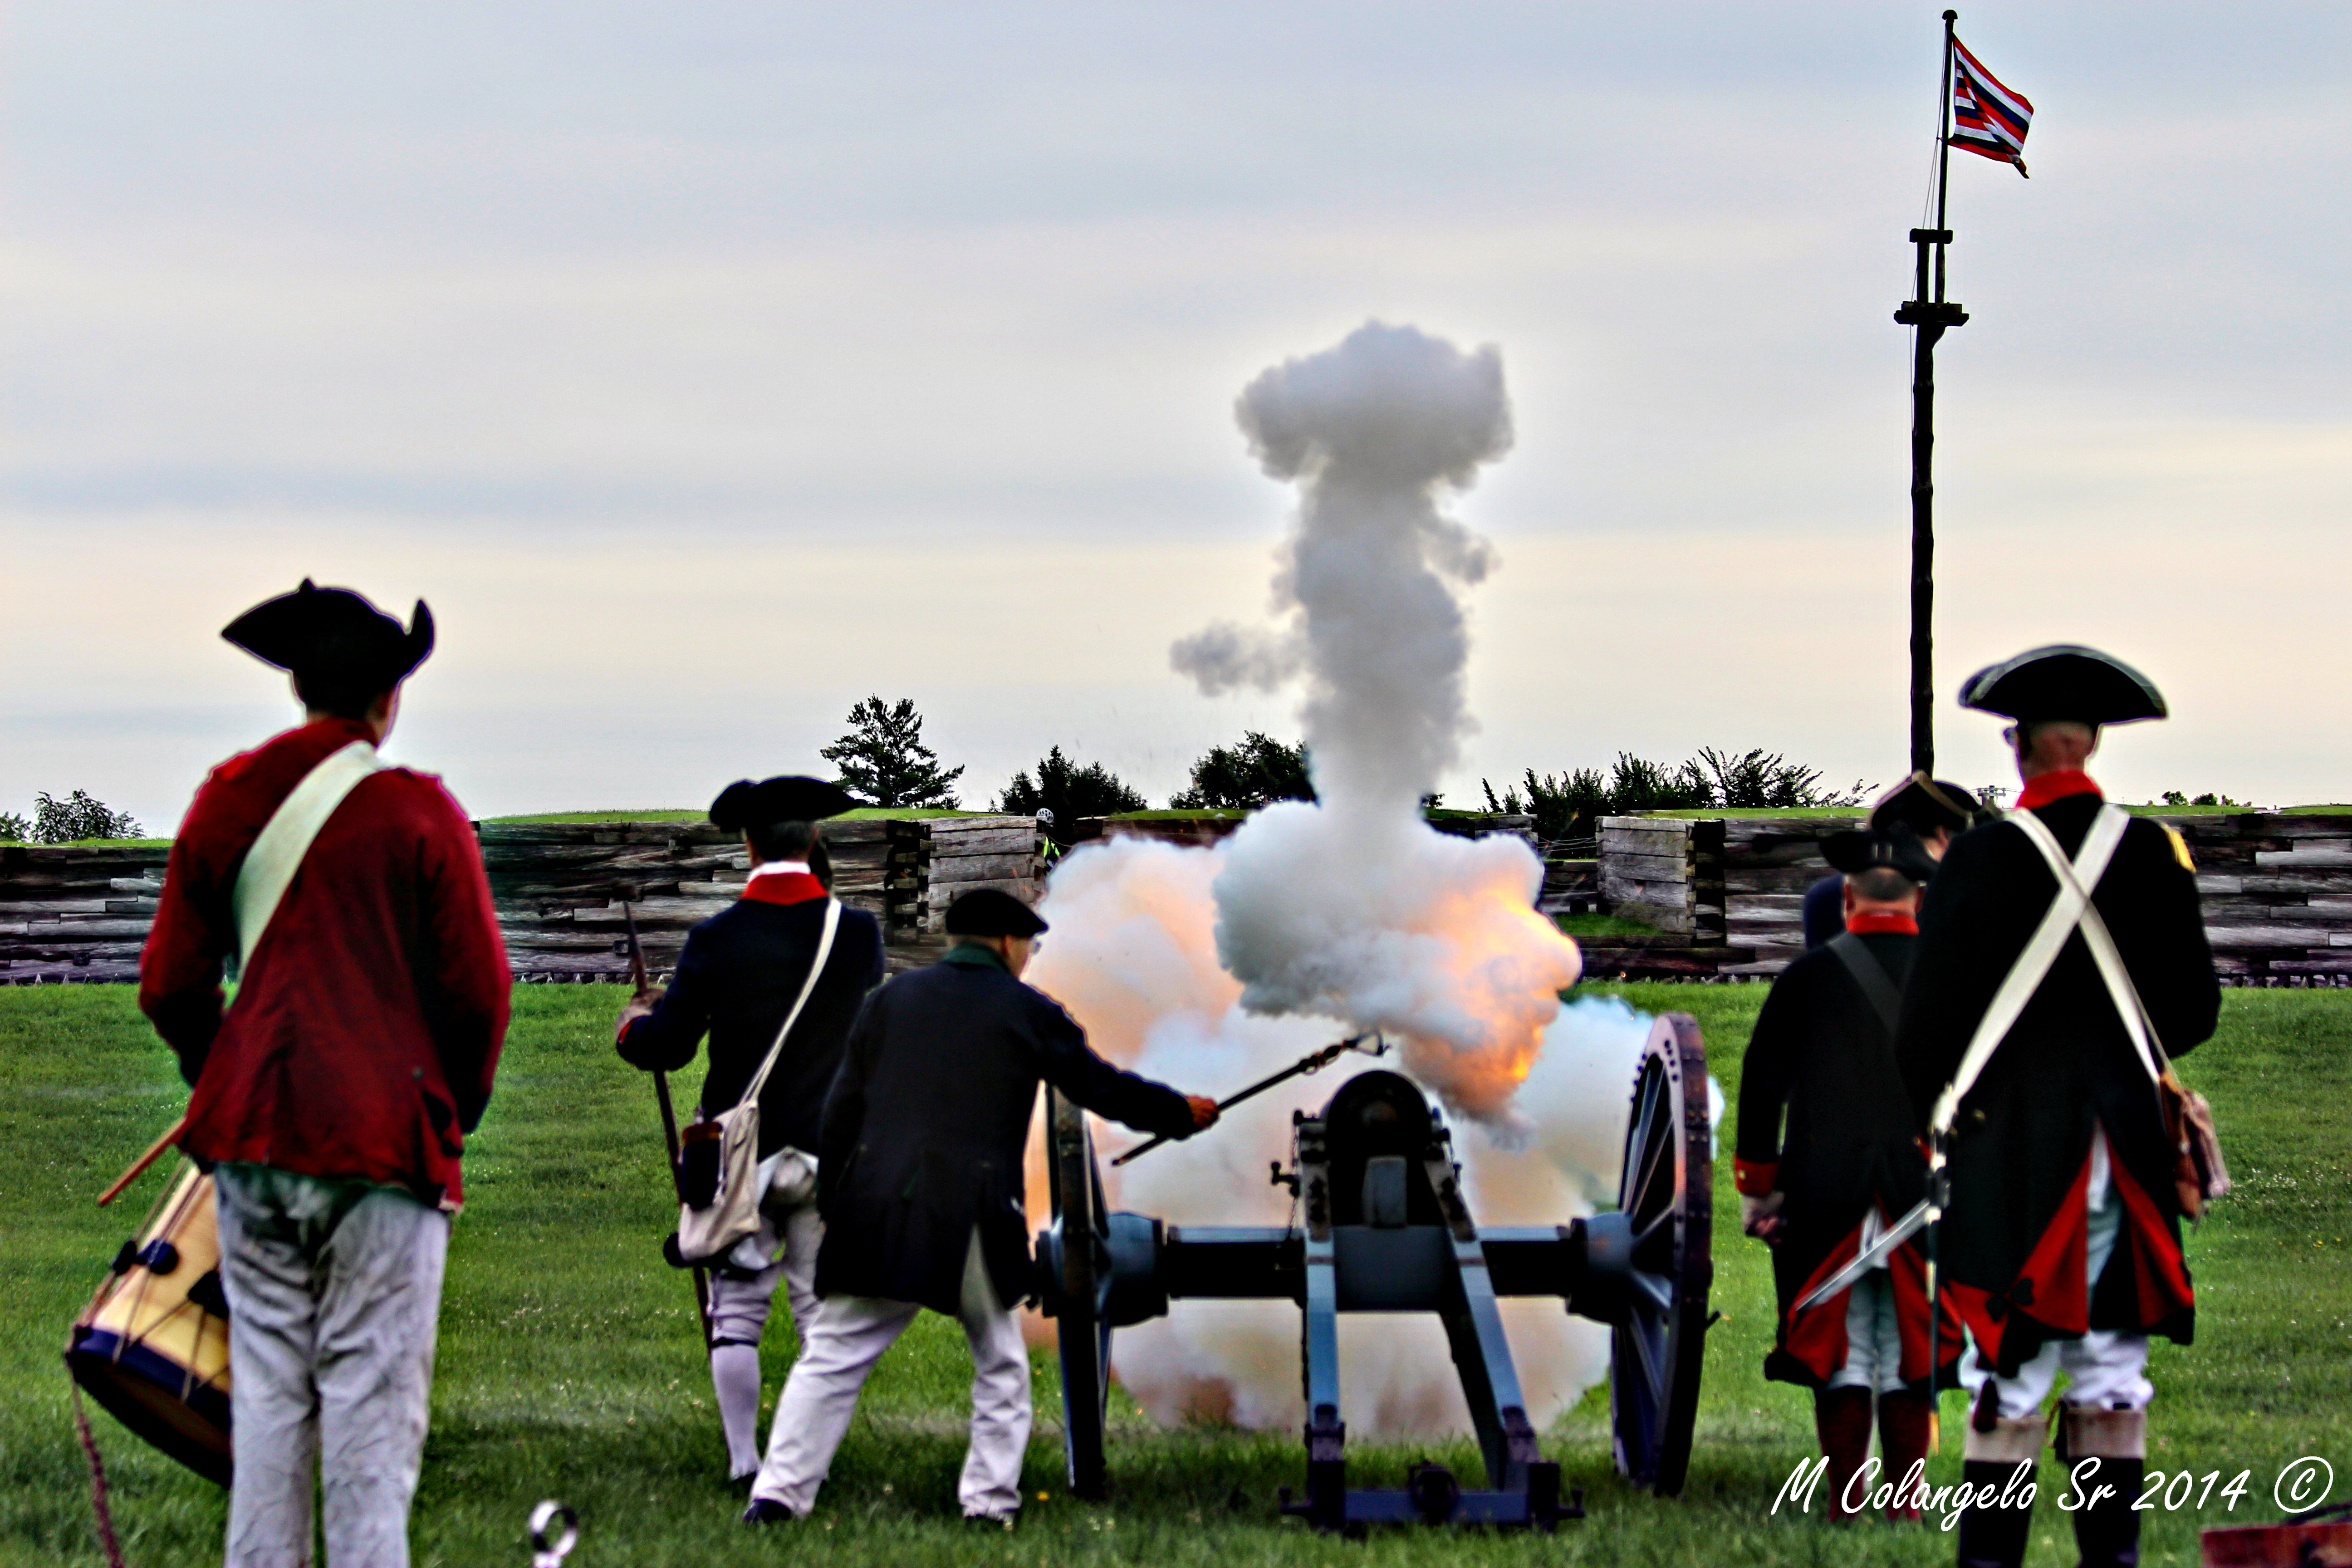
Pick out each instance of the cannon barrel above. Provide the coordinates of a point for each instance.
(1582, 1262)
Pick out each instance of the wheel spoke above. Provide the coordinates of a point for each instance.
(1652, 1376)
(1656, 1288)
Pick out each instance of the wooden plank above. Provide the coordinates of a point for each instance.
(957, 868)
(990, 841)
(2335, 854)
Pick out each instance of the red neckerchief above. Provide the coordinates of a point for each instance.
(2043, 788)
(783, 888)
(1875, 923)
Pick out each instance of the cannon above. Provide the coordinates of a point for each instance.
(1378, 1224)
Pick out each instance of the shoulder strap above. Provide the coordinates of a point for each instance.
(1871, 975)
(2025, 976)
(817, 967)
(269, 866)
(2110, 960)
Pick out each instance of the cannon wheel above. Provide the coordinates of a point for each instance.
(1084, 1332)
(1667, 1193)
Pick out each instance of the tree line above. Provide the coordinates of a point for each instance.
(884, 762)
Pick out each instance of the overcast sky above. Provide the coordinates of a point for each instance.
(709, 367)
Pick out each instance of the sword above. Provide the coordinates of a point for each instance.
(1870, 1257)
(1313, 1062)
(668, 1114)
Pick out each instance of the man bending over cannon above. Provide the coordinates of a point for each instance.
(920, 1182)
(738, 978)
(1849, 1163)
(2033, 1040)
(329, 1101)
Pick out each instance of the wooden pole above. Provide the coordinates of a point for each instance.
(137, 1167)
(1930, 316)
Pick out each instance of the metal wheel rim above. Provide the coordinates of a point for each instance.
(1075, 1184)
(1665, 1188)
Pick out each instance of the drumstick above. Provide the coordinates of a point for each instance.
(139, 1166)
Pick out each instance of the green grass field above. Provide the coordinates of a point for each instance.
(569, 1364)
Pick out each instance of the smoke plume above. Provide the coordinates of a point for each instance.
(1210, 968)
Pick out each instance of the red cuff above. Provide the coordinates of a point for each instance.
(1755, 1181)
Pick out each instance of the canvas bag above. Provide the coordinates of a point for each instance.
(719, 1159)
(2198, 1173)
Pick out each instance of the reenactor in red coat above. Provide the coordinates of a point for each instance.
(2062, 1238)
(332, 1099)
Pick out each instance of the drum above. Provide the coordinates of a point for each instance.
(152, 1344)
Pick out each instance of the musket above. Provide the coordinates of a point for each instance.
(639, 979)
(1313, 1062)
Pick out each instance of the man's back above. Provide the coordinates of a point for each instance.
(368, 1022)
(925, 1129)
(738, 977)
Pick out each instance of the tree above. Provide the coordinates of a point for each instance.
(68, 820)
(884, 761)
(1569, 806)
(1242, 778)
(1069, 792)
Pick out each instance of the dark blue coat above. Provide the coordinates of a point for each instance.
(929, 1121)
(736, 979)
(1825, 911)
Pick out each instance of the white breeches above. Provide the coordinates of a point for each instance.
(783, 1250)
(1874, 1340)
(334, 1292)
(2105, 1370)
(840, 1349)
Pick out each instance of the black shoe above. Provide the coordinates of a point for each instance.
(991, 1520)
(767, 1510)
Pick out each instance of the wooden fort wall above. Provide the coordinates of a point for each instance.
(81, 913)
(1725, 894)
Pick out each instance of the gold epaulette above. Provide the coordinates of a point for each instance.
(2179, 848)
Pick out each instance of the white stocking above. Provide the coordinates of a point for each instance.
(735, 1378)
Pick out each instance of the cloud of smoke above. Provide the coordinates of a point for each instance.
(1130, 955)
(1353, 907)
(1212, 968)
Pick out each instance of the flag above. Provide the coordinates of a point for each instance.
(1987, 118)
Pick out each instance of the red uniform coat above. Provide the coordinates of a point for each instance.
(366, 1028)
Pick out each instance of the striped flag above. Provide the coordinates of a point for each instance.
(1987, 118)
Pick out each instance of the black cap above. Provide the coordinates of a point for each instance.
(2064, 681)
(1867, 849)
(335, 632)
(990, 911)
(1926, 805)
(743, 805)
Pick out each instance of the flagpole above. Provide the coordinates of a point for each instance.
(1931, 316)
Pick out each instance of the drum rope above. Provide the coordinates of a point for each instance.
(98, 1505)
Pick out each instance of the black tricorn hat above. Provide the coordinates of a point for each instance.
(744, 805)
(2064, 681)
(991, 912)
(1926, 805)
(316, 631)
(1867, 849)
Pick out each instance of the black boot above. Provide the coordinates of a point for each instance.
(2106, 1533)
(1992, 1536)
